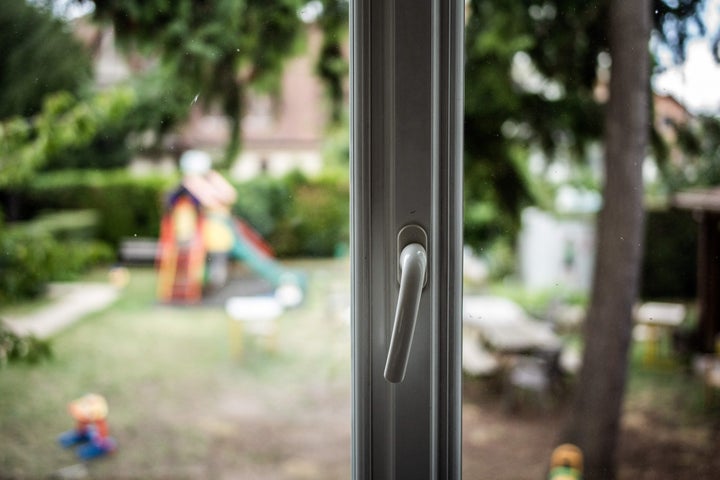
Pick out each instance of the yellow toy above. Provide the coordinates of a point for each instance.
(119, 277)
(566, 463)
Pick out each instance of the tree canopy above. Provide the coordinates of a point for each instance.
(38, 56)
(216, 49)
(50, 117)
(532, 79)
(64, 124)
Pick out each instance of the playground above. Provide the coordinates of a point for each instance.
(200, 238)
(185, 403)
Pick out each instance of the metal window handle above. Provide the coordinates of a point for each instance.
(413, 266)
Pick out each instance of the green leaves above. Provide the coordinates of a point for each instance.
(216, 49)
(64, 123)
(534, 66)
(14, 348)
(38, 56)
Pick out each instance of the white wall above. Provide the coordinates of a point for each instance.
(276, 163)
(546, 245)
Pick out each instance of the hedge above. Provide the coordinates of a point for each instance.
(669, 269)
(25, 261)
(126, 205)
(30, 257)
(298, 216)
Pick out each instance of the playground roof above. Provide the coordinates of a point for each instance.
(210, 190)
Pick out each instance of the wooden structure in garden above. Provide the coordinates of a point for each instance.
(705, 205)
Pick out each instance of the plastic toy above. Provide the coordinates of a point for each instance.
(91, 433)
(199, 236)
(566, 463)
(119, 277)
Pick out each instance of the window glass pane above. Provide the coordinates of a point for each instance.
(174, 240)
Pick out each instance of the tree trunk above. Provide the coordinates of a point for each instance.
(234, 110)
(594, 422)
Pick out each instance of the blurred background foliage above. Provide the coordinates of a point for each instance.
(216, 49)
(534, 74)
(39, 56)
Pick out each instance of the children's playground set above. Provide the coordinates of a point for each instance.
(199, 237)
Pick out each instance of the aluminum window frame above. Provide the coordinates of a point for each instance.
(406, 168)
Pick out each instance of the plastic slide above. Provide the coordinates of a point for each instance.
(251, 235)
(249, 248)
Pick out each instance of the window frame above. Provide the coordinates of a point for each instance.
(406, 168)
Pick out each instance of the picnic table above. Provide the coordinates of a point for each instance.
(526, 350)
(506, 328)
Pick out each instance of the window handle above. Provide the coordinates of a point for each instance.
(413, 275)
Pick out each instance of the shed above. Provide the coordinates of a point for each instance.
(705, 205)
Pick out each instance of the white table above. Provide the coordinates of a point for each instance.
(657, 319)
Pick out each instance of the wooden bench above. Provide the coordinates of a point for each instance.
(138, 250)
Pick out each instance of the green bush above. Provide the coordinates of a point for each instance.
(317, 220)
(65, 224)
(263, 202)
(126, 205)
(67, 260)
(106, 150)
(25, 264)
(14, 348)
(298, 216)
(31, 257)
(73, 248)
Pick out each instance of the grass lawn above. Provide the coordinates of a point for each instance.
(183, 404)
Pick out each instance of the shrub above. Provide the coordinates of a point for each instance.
(14, 347)
(68, 260)
(317, 220)
(126, 205)
(31, 258)
(65, 225)
(24, 270)
(298, 216)
(263, 202)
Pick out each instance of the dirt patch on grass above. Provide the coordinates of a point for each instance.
(656, 443)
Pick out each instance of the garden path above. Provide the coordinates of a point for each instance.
(70, 302)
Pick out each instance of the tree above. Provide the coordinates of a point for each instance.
(38, 56)
(65, 123)
(332, 67)
(595, 416)
(217, 48)
(531, 75)
(699, 142)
